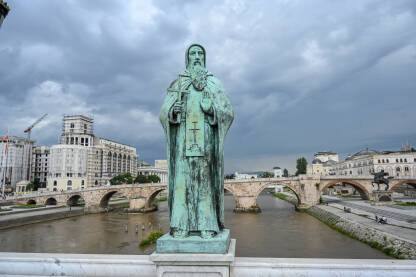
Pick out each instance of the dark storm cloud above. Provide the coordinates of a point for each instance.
(303, 76)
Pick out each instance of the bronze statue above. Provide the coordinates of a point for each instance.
(380, 179)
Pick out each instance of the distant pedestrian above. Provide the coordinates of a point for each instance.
(376, 218)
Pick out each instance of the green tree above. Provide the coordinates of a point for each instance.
(30, 187)
(301, 165)
(153, 179)
(267, 175)
(122, 179)
(285, 173)
(230, 176)
(142, 179)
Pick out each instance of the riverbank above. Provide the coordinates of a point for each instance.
(396, 241)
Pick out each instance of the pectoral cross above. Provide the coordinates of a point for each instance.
(194, 130)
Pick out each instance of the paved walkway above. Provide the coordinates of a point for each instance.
(359, 216)
(408, 215)
(45, 212)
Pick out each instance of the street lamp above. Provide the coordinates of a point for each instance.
(4, 10)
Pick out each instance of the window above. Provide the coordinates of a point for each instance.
(397, 160)
(72, 140)
(76, 140)
(401, 160)
(406, 168)
(72, 125)
(405, 160)
(82, 141)
(387, 160)
(55, 183)
(398, 169)
(379, 161)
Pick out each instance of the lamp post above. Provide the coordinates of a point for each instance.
(4, 10)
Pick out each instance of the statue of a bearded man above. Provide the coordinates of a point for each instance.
(196, 116)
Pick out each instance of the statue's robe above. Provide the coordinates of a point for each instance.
(196, 181)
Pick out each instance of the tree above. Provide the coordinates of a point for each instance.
(30, 187)
(230, 176)
(142, 179)
(301, 165)
(153, 179)
(267, 175)
(122, 179)
(285, 173)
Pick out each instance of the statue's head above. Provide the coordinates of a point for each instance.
(195, 56)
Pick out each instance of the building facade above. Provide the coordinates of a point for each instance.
(15, 164)
(160, 169)
(40, 165)
(323, 163)
(277, 172)
(83, 160)
(400, 163)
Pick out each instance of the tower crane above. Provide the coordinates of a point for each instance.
(29, 129)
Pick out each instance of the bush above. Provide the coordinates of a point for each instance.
(142, 179)
(151, 239)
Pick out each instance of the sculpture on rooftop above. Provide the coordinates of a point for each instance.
(4, 10)
(196, 115)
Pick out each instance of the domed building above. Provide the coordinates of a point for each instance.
(322, 164)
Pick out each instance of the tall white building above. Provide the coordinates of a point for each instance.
(84, 160)
(15, 166)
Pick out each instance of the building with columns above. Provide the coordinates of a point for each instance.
(160, 169)
(84, 160)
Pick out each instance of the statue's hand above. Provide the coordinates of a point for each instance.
(206, 103)
(178, 108)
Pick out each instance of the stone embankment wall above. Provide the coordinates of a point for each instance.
(388, 243)
(391, 245)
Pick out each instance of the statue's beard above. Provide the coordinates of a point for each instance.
(198, 77)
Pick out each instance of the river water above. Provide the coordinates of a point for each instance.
(279, 231)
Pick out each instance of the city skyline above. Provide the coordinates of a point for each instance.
(339, 79)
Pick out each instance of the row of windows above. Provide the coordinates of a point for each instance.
(73, 140)
(401, 160)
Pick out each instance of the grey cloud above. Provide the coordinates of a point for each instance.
(303, 76)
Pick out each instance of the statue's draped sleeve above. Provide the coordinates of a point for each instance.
(224, 116)
(165, 119)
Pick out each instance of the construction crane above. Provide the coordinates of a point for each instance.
(29, 129)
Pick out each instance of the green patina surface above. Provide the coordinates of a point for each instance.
(196, 115)
(194, 244)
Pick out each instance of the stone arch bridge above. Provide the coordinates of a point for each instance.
(307, 188)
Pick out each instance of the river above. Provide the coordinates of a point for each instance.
(279, 231)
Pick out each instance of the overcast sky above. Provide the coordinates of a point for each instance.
(302, 76)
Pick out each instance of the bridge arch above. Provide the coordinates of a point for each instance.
(104, 200)
(51, 201)
(289, 186)
(31, 202)
(365, 194)
(73, 200)
(150, 200)
(405, 182)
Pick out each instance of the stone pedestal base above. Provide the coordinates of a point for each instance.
(382, 197)
(194, 244)
(193, 265)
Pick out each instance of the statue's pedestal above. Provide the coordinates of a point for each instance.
(382, 197)
(194, 244)
(194, 264)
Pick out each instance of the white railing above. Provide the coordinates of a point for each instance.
(45, 264)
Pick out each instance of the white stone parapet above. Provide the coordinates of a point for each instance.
(54, 264)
